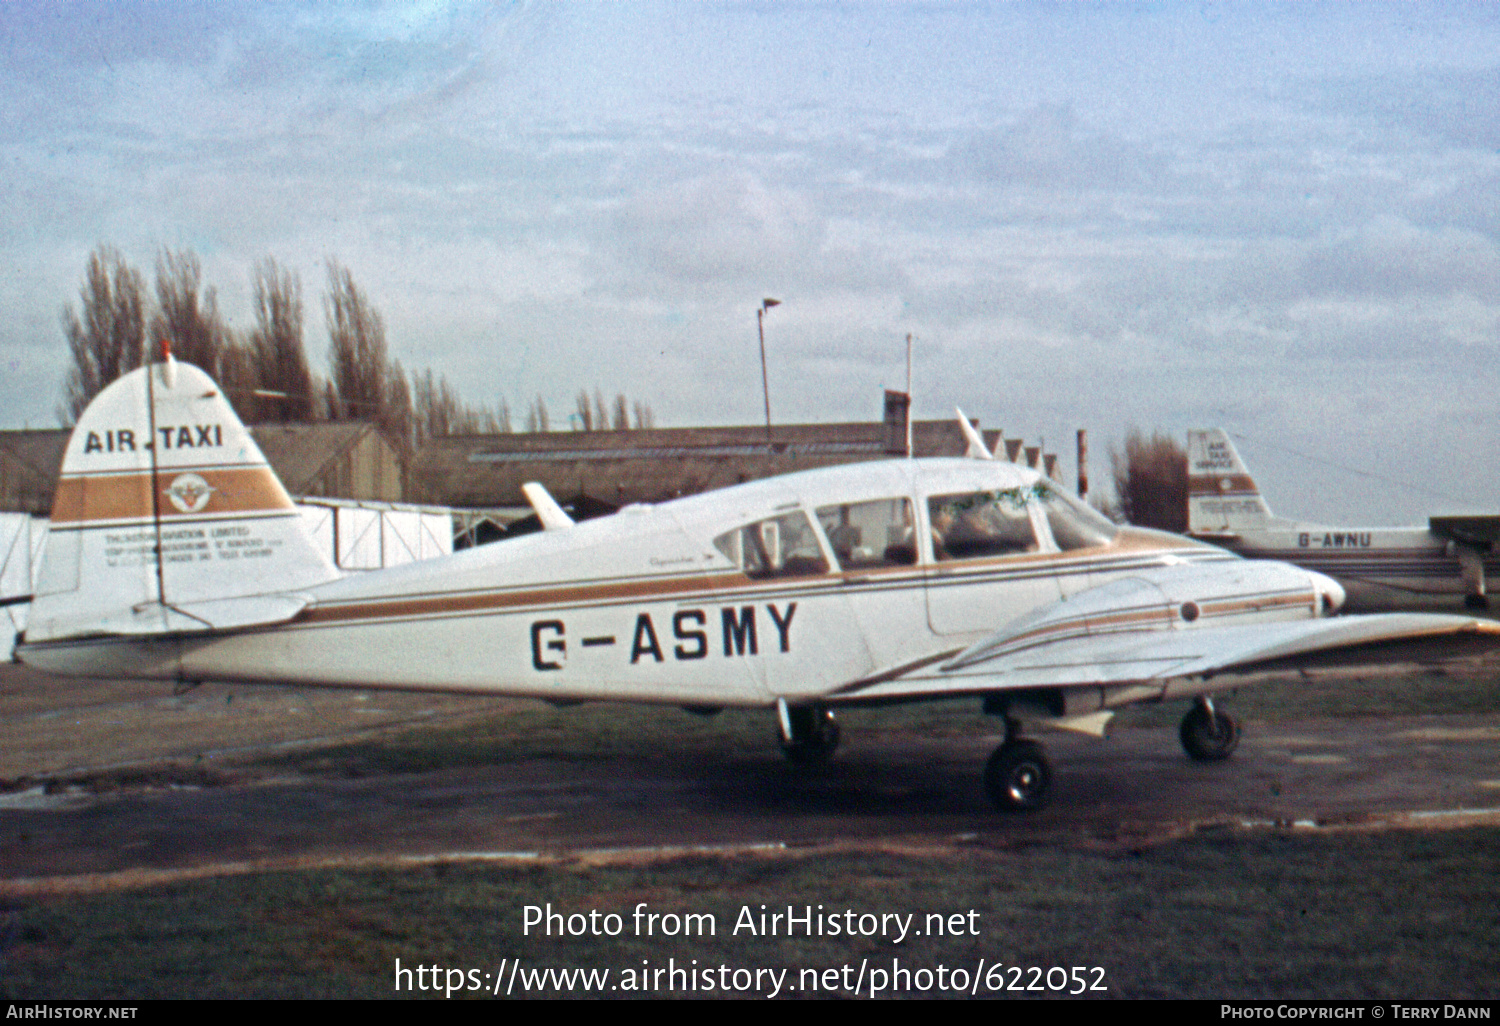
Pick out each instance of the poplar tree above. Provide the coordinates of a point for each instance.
(107, 337)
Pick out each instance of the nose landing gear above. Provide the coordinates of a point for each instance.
(1017, 777)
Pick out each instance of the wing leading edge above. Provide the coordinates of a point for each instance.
(1172, 629)
(1160, 658)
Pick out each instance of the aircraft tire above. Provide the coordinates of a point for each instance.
(1208, 738)
(1018, 777)
(815, 737)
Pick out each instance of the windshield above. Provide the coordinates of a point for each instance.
(1075, 525)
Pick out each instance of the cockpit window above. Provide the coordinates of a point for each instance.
(1075, 525)
(784, 546)
(977, 525)
(870, 534)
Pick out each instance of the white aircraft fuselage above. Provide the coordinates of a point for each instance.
(175, 553)
(644, 606)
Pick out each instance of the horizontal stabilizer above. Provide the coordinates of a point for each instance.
(1482, 532)
(976, 449)
(552, 516)
(248, 611)
(153, 618)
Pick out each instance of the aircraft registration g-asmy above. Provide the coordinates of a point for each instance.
(175, 554)
(1380, 568)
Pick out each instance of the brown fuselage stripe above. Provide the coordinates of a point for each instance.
(715, 586)
(1112, 622)
(444, 605)
(1215, 484)
(128, 496)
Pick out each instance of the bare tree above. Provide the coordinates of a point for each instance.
(109, 338)
(536, 415)
(356, 350)
(188, 319)
(585, 412)
(396, 417)
(644, 418)
(1151, 481)
(277, 356)
(436, 406)
(622, 413)
(239, 379)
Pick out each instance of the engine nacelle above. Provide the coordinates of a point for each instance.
(1169, 599)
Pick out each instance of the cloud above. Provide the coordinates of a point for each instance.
(728, 228)
(1392, 258)
(1046, 148)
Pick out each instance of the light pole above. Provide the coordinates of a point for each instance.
(760, 325)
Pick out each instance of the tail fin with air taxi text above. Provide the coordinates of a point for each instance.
(167, 519)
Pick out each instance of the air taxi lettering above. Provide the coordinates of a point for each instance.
(185, 436)
(1334, 540)
(1218, 458)
(741, 636)
(122, 440)
(195, 436)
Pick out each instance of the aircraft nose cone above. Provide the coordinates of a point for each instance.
(1330, 593)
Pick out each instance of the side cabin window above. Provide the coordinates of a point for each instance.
(980, 525)
(782, 546)
(870, 534)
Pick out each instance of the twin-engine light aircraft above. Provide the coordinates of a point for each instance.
(1380, 568)
(176, 554)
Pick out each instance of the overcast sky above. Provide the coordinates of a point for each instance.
(1279, 219)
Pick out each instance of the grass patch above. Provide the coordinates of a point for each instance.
(1400, 914)
(598, 731)
(1430, 693)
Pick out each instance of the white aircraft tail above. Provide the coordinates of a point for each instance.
(1222, 496)
(168, 519)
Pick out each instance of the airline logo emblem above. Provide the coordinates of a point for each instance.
(189, 493)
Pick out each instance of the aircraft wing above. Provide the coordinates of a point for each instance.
(1482, 532)
(1014, 661)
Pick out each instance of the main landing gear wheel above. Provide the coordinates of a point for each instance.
(815, 735)
(1209, 735)
(1018, 777)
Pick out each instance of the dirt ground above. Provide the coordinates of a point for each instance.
(110, 783)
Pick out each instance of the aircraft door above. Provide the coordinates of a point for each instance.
(793, 631)
(875, 545)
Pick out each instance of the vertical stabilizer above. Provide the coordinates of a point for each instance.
(1222, 496)
(168, 519)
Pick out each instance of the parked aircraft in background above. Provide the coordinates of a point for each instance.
(1380, 568)
(176, 554)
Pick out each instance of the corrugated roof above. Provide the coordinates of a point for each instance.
(650, 465)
